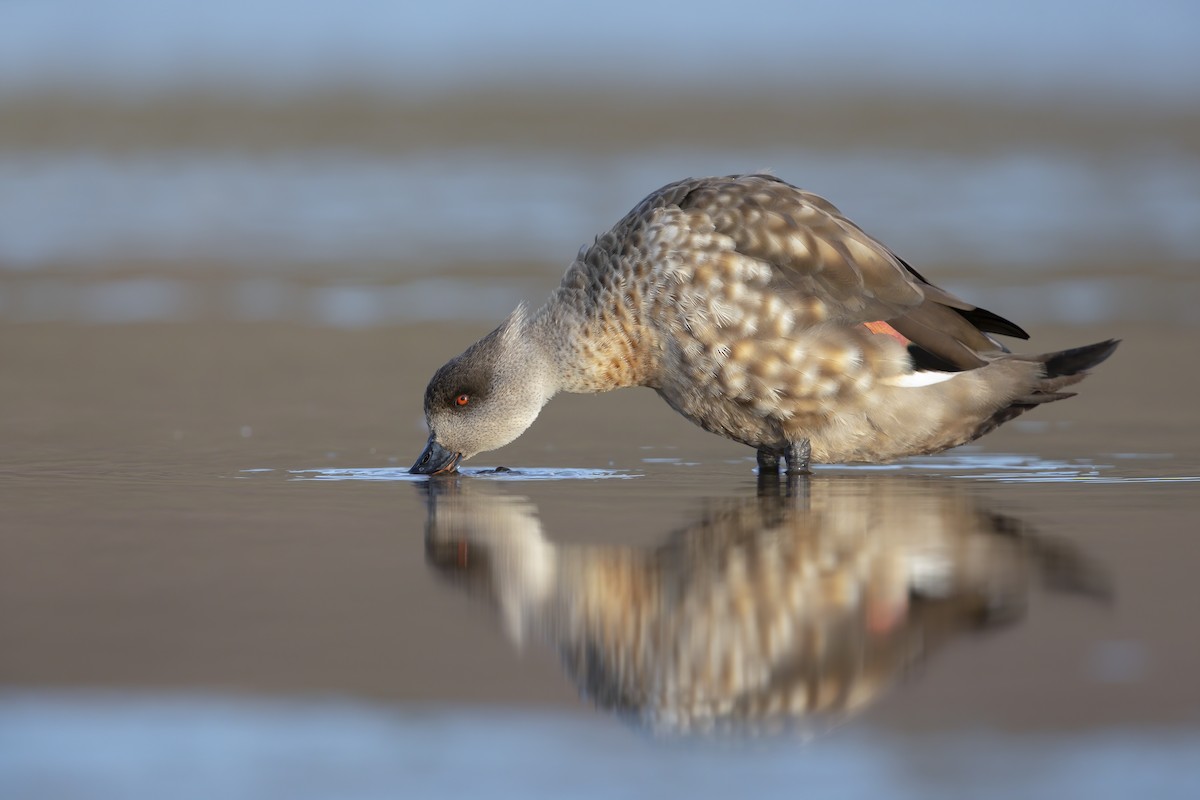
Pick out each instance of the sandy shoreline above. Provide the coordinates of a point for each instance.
(591, 121)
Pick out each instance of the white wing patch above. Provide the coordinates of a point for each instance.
(911, 380)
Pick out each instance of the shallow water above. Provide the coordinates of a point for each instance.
(180, 206)
(180, 535)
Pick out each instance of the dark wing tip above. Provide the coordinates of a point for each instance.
(989, 322)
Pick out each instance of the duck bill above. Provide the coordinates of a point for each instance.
(435, 460)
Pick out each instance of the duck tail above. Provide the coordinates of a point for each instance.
(1078, 360)
(1060, 370)
(1065, 368)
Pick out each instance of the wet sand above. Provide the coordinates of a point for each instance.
(538, 118)
(138, 553)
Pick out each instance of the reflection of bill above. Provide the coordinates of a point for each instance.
(770, 612)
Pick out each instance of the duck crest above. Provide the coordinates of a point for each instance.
(512, 331)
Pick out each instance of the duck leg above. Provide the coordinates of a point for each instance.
(768, 462)
(797, 455)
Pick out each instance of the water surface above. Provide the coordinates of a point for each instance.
(181, 536)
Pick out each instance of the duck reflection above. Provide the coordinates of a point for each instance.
(782, 610)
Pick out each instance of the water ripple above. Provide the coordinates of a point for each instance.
(490, 473)
(1000, 467)
(1024, 468)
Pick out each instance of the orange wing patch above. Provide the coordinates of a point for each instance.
(886, 330)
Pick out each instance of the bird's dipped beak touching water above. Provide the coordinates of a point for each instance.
(435, 459)
(484, 398)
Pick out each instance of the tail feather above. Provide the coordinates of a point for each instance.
(1063, 368)
(1078, 359)
(1068, 367)
(1037, 397)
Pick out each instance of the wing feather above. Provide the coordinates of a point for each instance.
(816, 251)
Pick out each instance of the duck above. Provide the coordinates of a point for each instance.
(761, 313)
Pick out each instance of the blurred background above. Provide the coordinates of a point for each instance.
(360, 163)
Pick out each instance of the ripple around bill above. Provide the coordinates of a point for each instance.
(488, 473)
(1023, 468)
(1001, 467)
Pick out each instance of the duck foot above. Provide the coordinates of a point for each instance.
(768, 462)
(797, 455)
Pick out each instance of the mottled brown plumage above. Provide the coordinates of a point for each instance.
(770, 611)
(744, 302)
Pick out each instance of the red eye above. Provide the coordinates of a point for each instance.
(462, 400)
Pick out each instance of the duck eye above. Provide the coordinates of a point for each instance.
(462, 400)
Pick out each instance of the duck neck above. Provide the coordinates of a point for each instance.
(591, 351)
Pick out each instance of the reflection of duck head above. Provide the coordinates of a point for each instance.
(770, 611)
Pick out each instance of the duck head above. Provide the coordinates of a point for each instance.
(484, 398)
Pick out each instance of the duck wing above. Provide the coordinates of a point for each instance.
(816, 252)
